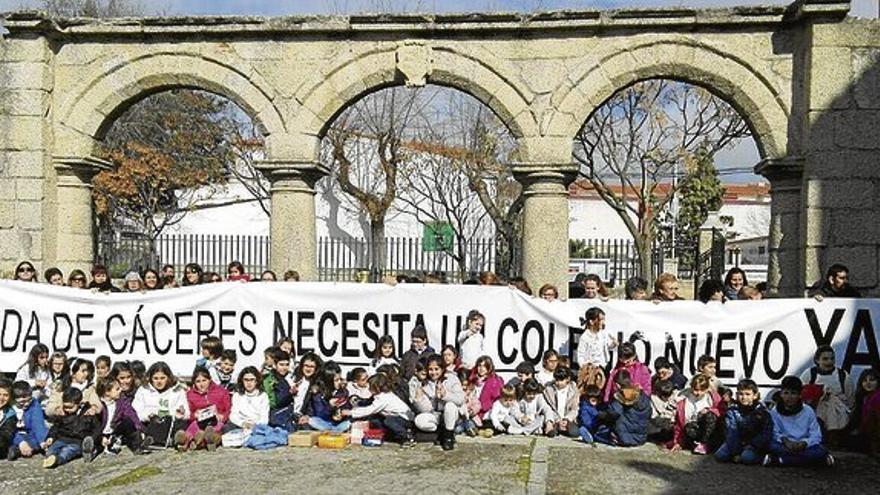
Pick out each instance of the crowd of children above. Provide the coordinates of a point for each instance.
(66, 408)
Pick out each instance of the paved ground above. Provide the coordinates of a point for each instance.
(499, 465)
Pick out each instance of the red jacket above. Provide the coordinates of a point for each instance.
(490, 393)
(216, 396)
(639, 374)
(718, 409)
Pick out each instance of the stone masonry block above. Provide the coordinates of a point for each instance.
(818, 225)
(29, 189)
(866, 77)
(7, 214)
(23, 102)
(19, 50)
(22, 133)
(857, 129)
(821, 130)
(831, 193)
(851, 164)
(28, 215)
(830, 78)
(21, 163)
(25, 75)
(855, 226)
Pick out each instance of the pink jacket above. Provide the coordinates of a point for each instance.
(718, 409)
(638, 373)
(216, 396)
(490, 393)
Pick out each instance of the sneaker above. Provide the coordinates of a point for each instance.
(700, 449)
(197, 441)
(211, 439)
(829, 460)
(471, 432)
(180, 440)
(408, 443)
(50, 462)
(486, 433)
(770, 461)
(88, 449)
(11, 454)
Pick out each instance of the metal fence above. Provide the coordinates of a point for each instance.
(350, 258)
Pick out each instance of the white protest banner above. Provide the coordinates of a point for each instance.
(763, 340)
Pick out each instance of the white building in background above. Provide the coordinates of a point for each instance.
(590, 217)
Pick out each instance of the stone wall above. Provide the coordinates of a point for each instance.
(842, 156)
(26, 190)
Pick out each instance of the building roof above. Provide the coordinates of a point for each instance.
(753, 193)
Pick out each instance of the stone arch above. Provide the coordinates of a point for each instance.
(92, 109)
(732, 78)
(483, 77)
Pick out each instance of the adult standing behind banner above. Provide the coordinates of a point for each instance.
(666, 288)
(25, 272)
(836, 284)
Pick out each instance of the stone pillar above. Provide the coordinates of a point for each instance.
(785, 270)
(292, 226)
(545, 223)
(75, 228)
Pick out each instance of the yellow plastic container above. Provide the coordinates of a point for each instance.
(333, 440)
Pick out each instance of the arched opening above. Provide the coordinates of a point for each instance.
(660, 159)
(182, 187)
(421, 186)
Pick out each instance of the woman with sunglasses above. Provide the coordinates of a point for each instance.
(77, 279)
(25, 272)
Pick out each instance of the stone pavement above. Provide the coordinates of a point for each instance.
(512, 465)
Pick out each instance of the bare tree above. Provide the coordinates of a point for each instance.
(644, 136)
(93, 8)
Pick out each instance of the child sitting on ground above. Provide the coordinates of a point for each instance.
(358, 387)
(797, 438)
(628, 361)
(7, 415)
(250, 407)
(81, 376)
(588, 412)
(748, 427)
(30, 422)
(664, 371)
(161, 405)
(418, 348)
(73, 433)
(209, 406)
(211, 348)
(531, 411)
(707, 366)
(385, 353)
(504, 410)
(276, 384)
(119, 421)
(834, 407)
(386, 411)
(470, 410)
(664, 403)
(524, 371)
(563, 403)
(328, 398)
(625, 419)
(696, 417)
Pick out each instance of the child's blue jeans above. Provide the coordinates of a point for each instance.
(64, 451)
(585, 434)
(321, 424)
(732, 446)
(814, 454)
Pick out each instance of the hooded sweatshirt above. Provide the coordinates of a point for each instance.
(148, 401)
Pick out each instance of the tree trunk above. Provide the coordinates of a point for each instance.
(377, 248)
(645, 248)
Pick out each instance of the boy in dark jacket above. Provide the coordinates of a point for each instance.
(418, 347)
(279, 389)
(588, 413)
(7, 415)
(749, 428)
(119, 421)
(30, 423)
(625, 420)
(74, 432)
(664, 371)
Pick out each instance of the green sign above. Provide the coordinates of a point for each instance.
(438, 236)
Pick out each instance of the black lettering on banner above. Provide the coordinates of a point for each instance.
(110, 321)
(693, 363)
(826, 337)
(156, 317)
(250, 333)
(574, 338)
(708, 350)
(139, 332)
(180, 331)
(551, 338)
(646, 358)
(420, 320)
(349, 333)
(506, 358)
(862, 326)
(528, 328)
(721, 352)
(400, 319)
(768, 346)
(31, 334)
(83, 332)
(327, 351)
(676, 356)
(749, 357)
(371, 332)
(278, 330)
(303, 332)
(201, 331)
(7, 315)
(57, 317)
(222, 328)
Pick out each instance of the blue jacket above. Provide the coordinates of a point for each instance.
(631, 426)
(754, 425)
(587, 415)
(321, 408)
(7, 426)
(35, 430)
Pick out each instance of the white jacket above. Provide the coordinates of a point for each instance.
(471, 348)
(385, 404)
(148, 401)
(501, 415)
(595, 348)
(252, 408)
(426, 399)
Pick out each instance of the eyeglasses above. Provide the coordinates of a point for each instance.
(26, 269)
(78, 279)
